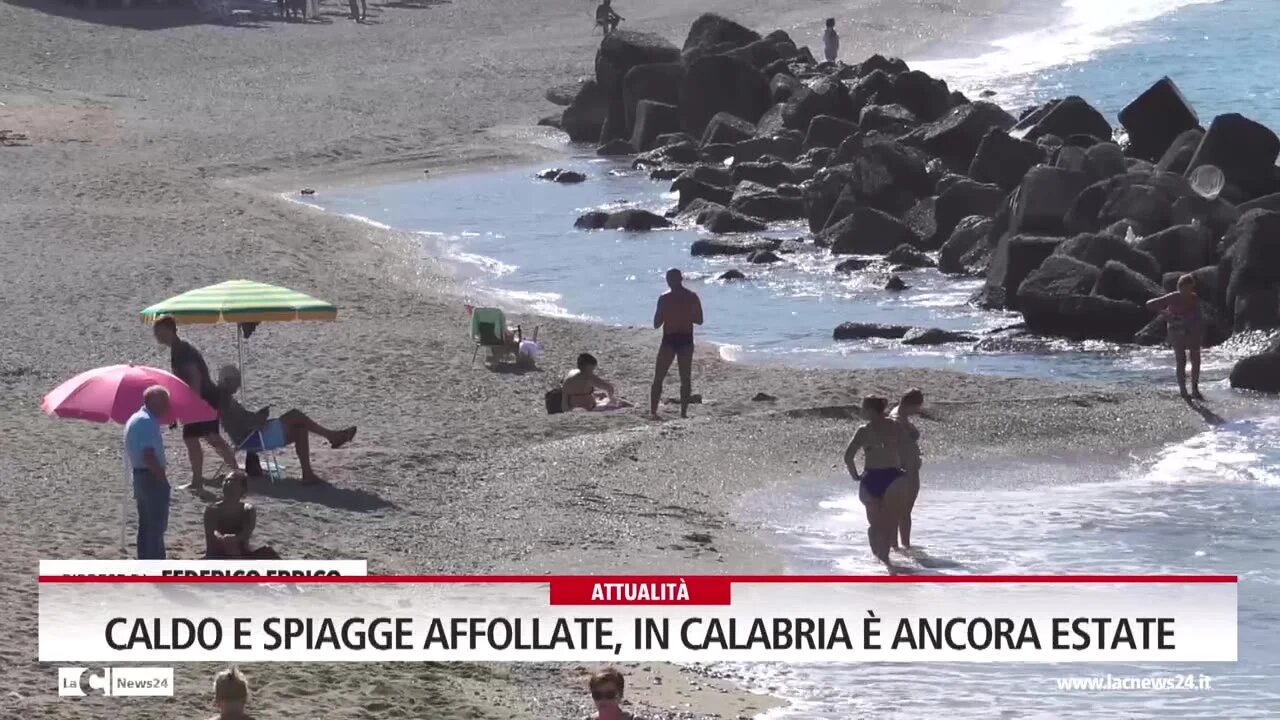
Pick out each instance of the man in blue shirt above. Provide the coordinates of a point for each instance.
(145, 446)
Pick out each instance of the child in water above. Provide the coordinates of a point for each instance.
(1181, 310)
(830, 41)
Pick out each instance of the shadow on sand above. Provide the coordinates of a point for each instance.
(157, 15)
(1209, 416)
(321, 493)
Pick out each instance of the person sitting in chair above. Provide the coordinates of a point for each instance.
(229, 523)
(582, 388)
(606, 18)
(292, 428)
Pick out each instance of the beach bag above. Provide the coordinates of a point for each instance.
(554, 398)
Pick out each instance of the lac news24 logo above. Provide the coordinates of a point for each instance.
(116, 682)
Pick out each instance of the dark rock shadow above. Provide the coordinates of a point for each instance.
(321, 493)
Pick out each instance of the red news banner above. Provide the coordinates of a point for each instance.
(680, 619)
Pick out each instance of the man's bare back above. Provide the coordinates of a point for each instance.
(678, 311)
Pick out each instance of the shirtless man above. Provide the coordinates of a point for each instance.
(679, 309)
(582, 388)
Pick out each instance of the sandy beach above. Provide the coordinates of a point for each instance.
(158, 148)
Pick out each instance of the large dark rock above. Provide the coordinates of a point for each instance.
(968, 235)
(1058, 276)
(704, 247)
(564, 93)
(1144, 200)
(1257, 372)
(922, 218)
(1257, 309)
(1118, 282)
(564, 177)
(653, 119)
(782, 147)
(828, 131)
(1207, 285)
(716, 84)
(890, 119)
(727, 128)
(1082, 316)
(863, 331)
(823, 96)
(936, 336)
(631, 220)
(782, 87)
(770, 174)
(615, 148)
(710, 174)
(658, 82)
(956, 136)
(725, 220)
(1155, 118)
(1178, 156)
(961, 200)
(690, 190)
(927, 98)
(1098, 249)
(851, 265)
(711, 31)
(584, 117)
(889, 66)
(619, 52)
(1244, 150)
(908, 256)
(766, 203)
(1012, 260)
(1004, 160)
(1149, 208)
(1044, 197)
(1104, 160)
(866, 232)
(1070, 116)
(763, 257)
(1250, 268)
(1181, 248)
(877, 176)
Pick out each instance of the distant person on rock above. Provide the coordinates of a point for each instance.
(1181, 310)
(830, 41)
(582, 388)
(606, 18)
(230, 695)
(911, 404)
(606, 692)
(880, 488)
(679, 309)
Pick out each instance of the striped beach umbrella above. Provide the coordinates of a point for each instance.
(241, 301)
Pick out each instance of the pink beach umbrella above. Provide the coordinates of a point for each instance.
(115, 393)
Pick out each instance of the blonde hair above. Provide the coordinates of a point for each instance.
(230, 685)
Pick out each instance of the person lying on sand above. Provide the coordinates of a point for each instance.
(292, 428)
(606, 692)
(230, 695)
(582, 388)
(880, 487)
(230, 522)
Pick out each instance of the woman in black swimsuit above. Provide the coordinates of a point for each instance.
(230, 522)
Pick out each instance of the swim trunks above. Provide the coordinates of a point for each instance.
(878, 480)
(678, 341)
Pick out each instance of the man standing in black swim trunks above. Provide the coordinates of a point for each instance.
(679, 309)
(188, 364)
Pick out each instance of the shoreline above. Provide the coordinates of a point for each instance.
(456, 469)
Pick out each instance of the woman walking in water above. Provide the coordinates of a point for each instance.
(882, 441)
(909, 484)
(1181, 310)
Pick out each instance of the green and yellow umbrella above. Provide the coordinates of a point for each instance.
(241, 301)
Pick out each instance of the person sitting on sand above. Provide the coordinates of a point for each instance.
(1181, 310)
(292, 428)
(911, 403)
(230, 522)
(882, 441)
(606, 688)
(830, 41)
(230, 695)
(606, 17)
(582, 388)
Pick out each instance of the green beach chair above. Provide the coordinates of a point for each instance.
(488, 330)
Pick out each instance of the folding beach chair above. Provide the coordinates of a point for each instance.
(488, 330)
(254, 445)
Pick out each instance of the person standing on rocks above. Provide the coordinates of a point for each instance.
(679, 309)
(909, 484)
(1181, 310)
(606, 17)
(882, 442)
(830, 41)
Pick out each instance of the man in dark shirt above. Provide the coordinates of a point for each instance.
(187, 363)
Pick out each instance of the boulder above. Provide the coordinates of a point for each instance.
(584, 117)
(716, 84)
(782, 147)
(730, 275)
(716, 175)
(1207, 285)
(889, 66)
(1266, 202)
(690, 189)
(908, 256)
(962, 199)
(922, 219)
(704, 247)
(715, 153)
(866, 231)
(770, 174)
(695, 211)
(927, 98)
(593, 220)
(863, 331)
(615, 148)
(1155, 118)
(567, 177)
(766, 203)
(763, 257)
(1250, 266)
(955, 137)
(1012, 260)
(710, 30)
(656, 82)
(866, 181)
(619, 52)
(1118, 282)
(1149, 208)
(968, 235)
(724, 220)
(853, 264)
(936, 336)
(762, 53)
(564, 93)
(633, 220)
(1177, 158)
(1058, 276)
(1097, 249)
(1244, 150)
(823, 96)
(1067, 117)
(1178, 249)
(1104, 160)
(1156, 332)
(1257, 308)
(828, 131)
(653, 119)
(782, 87)
(1043, 199)
(890, 119)
(896, 284)
(727, 128)
(1004, 160)
(678, 153)
(1071, 157)
(670, 173)
(551, 121)
(1082, 316)
(1257, 372)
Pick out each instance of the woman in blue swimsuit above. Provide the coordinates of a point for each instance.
(882, 441)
